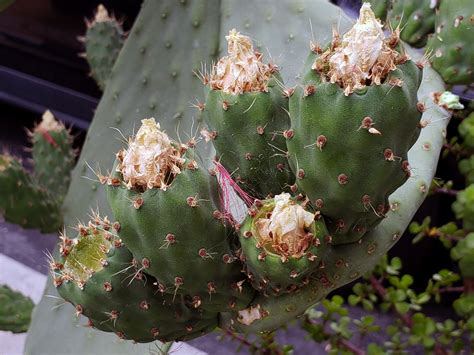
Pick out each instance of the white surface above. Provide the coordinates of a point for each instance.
(31, 283)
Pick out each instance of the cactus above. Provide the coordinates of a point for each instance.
(415, 18)
(464, 207)
(282, 244)
(167, 62)
(53, 155)
(450, 48)
(23, 201)
(154, 175)
(101, 278)
(246, 100)
(380, 8)
(15, 310)
(103, 41)
(334, 118)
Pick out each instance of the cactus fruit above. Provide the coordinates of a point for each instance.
(282, 244)
(247, 120)
(53, 155)
(451, 45)
(103, 41)
(380, 8)
(15, 310)
(100, 277)
(463, 207)
(415, 18)
(349, 153)
(153, 179)
(23, 201)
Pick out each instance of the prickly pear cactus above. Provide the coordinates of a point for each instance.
(102, 279)
(15, 310)
(103, 41)
(451, 50)
(246, 111)
(23, 201)
(155, 174)
(346, 118)
(145, 64)
(282, 244)
(53, 155)
(415, 18)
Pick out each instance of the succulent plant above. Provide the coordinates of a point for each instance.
(15, 310)
(464, 207)
(380, 8)
(346, 119)
(167, 202)
(103, 41)
(33, 200)
(414, 18)
(450, 47)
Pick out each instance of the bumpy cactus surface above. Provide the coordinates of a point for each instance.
(53, 155)
(23, 201)
(156, 175)
(102, 279)
(415, 18)
(103, 41)
(346, 118)
(15, 310)
(451, 50)
(168, 62)
(380, 8)
(245, 110)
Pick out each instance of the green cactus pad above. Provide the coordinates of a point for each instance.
(450, 48)
(103, 41)
(248, 127)
(53, 156)
(349, 152)
(23, 201)
(415, 18)
(15, 310)
(100, 277)
(278, 266)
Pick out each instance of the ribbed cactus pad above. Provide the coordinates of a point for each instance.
(451, 50)
(23, 201)
(53, 156)
(15, 310)
(415, 18)
(103, 41)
